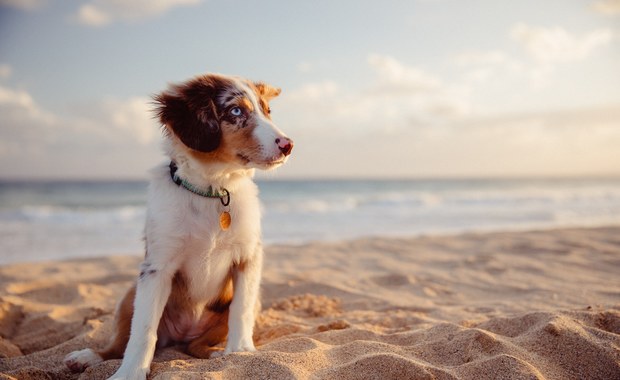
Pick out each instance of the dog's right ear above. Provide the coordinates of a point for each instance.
(190, 113)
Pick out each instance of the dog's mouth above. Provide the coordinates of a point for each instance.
(269, 163)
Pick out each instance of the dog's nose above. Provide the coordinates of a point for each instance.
(285, 145)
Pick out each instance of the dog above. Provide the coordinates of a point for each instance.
(199, 281)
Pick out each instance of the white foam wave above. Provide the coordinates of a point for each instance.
(77, 224)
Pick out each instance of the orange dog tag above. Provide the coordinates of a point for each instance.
(225, 220)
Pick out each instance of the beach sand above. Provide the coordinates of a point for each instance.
(510, 305)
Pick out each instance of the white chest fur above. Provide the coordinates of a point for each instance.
(183, 231)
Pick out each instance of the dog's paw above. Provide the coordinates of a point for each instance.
(78, 361)
(234, 348)
(135, 374)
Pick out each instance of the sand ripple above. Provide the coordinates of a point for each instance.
(540, 305)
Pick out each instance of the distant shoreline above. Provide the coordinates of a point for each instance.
(75, 219)
(297, 244)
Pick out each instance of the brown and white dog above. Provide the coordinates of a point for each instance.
(199, 281)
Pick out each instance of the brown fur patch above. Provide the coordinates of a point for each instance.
(202, 347)
(116, 348)
(190, 111)
(216, 315)
(266, 91)
(225, 297)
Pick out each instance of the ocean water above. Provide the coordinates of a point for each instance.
(59, 220)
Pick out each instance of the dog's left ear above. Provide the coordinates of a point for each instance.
(267, 91)
(190, 113)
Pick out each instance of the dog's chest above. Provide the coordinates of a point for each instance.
(206, 274)
(210, 251)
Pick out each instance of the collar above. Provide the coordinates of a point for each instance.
(222, 193)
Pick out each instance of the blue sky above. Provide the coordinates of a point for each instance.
(426, 88)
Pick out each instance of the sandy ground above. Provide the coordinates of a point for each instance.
(514, 305)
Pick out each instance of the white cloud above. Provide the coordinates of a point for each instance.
(545, 49)
(485, 66)
(5, 71)
(25, 5)
(98, 13)
(567, 142)
(315, 91)
(398, 97)
(402, 89)
(18, 103)
(607, 7)
(395, 76)
(556, 45)
(494, 57)
(133, 117)
(89, 14)
(398, 89)
(410, 122)
(26, 127)
(108, 138)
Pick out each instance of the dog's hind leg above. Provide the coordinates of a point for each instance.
(217, 330)
(78, 361)
(216, 314)
(116, 348)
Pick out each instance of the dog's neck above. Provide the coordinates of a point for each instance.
(204, 175)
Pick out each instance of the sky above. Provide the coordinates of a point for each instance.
(370, 89)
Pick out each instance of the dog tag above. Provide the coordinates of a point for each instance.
(225, 220)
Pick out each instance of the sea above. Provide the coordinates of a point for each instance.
(53, 220)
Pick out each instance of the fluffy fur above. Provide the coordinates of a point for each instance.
(199, 283)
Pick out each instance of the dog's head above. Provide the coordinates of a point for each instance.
(224, 119)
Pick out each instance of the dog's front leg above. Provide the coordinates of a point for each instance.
(152, 292)
(242, 315)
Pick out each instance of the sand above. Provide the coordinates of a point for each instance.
(513, 305)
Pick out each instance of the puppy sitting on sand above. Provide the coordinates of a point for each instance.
(200, 278)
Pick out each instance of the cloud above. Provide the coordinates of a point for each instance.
(560, 143)
(99, 13)
(398, 95)
(315, 91)
(26, 127)
(607, 7)
(5, 71)
(545, 48)
(132, 117)
(18, 103)
(24, 5)
(407, 121)
(484, 66)
(556, 45)
(563, 142)
(393, 76)
(406, 92)
(115, 137)
(91, 15)
(494, 57)
(344, 130)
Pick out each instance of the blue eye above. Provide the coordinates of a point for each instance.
(236, 111)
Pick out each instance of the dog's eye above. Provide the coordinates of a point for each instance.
(269, 111)
(236, 111)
